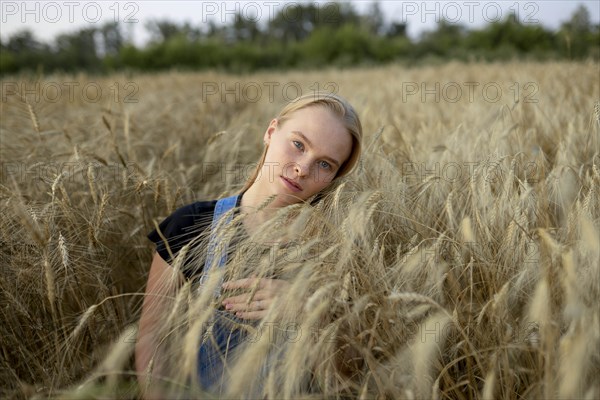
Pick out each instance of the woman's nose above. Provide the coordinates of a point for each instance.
(300, 169)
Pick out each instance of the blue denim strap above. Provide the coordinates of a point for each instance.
(213, 352)
(216, 251)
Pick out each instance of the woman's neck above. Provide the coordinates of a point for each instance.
(252, 205)
(251, 201)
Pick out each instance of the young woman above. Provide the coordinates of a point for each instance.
(313, 141)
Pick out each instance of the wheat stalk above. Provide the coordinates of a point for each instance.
(394, 246)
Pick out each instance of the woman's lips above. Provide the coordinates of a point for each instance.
(291, 185)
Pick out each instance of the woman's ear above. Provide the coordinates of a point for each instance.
(272, 127)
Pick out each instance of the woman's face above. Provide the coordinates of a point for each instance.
(304, 154)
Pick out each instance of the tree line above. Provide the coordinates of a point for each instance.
(341, 37)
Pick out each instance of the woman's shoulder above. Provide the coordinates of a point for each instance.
(195, 209)
(182, 226)
(193, 214)
(184, 220)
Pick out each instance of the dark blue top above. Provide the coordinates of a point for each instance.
(181, 227)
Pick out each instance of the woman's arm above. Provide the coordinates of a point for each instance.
(161, 290)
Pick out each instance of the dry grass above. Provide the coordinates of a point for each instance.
(461, 261)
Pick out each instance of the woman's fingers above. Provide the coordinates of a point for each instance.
(255, 310)
(254, 305)
(268, 288)
(245, 297)
(243, 301)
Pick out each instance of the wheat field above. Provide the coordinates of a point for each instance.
(460, 261)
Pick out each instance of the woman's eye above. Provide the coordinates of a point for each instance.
(324, 165)
(298, 144)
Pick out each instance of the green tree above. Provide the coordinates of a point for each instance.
(577, 34)
(295, 22)
(348, 45)
(7, 60)
(396, 29)
(443, 41)
(163, 30)
(24, 52)
(77, 51)
(373, 21)
(244, 29)
(112, 38)
(510, 38)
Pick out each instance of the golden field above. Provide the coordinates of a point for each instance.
(461, 260)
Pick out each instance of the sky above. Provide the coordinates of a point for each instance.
(49, 18)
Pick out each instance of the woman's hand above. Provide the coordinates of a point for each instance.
(253, 307)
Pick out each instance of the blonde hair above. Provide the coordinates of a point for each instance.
(339, 107)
